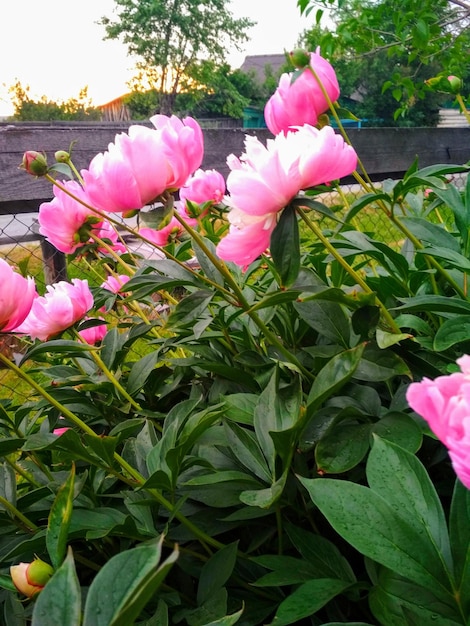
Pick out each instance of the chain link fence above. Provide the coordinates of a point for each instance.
(23, 247)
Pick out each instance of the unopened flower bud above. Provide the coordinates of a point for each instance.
(31, 578)
(61, 156)
(299, 58)
(456, 84)
(34, 163)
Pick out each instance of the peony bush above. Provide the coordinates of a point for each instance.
(262, 419)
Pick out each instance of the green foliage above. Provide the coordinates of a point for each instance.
(384, 56)
(74, 109)
(171, 38)
(245, 453)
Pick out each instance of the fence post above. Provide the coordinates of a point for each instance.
(54, 262)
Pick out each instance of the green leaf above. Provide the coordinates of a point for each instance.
(190, 307)
(216, 572)
(246, 450)
(59, 521)
(123, 586)
(228, 620)
(380, 365)
(57, 346)
(459, 529)
(287, 570)
(376, 529)
(334, 375)
(59, 603)
(400, 478)
(285, 247)
(400, 429)
(327, 318)
(434, 304)
(385, 340)
(452, 331)
(140, 372)
(321, 554)
(342, 448)
(206, 264)
(307, 600)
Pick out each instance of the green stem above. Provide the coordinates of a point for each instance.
(109, 375)
(222, 268)
(18, 514)
(21, 472)
(203, 537)
(351, 271)
(463, 107)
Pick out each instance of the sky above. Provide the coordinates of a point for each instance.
(56, 48)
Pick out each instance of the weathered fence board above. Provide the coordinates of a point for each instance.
(385, 152)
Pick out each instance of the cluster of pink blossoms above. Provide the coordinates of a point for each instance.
(265, 179)
(445, 404)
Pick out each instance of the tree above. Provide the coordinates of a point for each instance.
(170, 38)
(413, 39)
(28, 109)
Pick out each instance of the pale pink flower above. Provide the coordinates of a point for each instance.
(265, 179)
(249, 236)
(164, 235)
(115, 283)
(183, 145)
(301, 101)
(63, 305)
(62, 219)
(16, 297)
(31, 578)
(204, 186)
(94, 334)
(445, 404)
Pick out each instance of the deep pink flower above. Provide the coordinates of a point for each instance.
(94, 334)
(60, 431)
(445, 404)
(183, 145)
(265, 179)
(16, 297)
(164, 235)
(301, 101)
(61, 219)
(204, 186)
(115, 283)
(249, 236)
(63, 305)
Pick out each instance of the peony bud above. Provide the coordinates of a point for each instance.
(456, 84)
(31, 578)
(34, 163)
(62, 156)
(299, 58)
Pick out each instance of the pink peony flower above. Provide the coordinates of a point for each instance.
(204, 186)
(265, 179)
(61, 219)
(16, 297)
(445, 404)
(94, 334)
(249, 236)
(183, 145)
(105, 230)
(139, 166)
(60, 431)
(31, 578)
(301, 101)
(63, 305)
(164, 235)
(115, 283)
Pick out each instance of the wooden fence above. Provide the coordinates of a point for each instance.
(385, 153)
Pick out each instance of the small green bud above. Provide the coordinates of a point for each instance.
(35, 163)
(61, 156)
(299, 58)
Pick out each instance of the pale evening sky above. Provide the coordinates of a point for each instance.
(56, 47)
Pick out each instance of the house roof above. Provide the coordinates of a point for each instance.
(257, 63)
